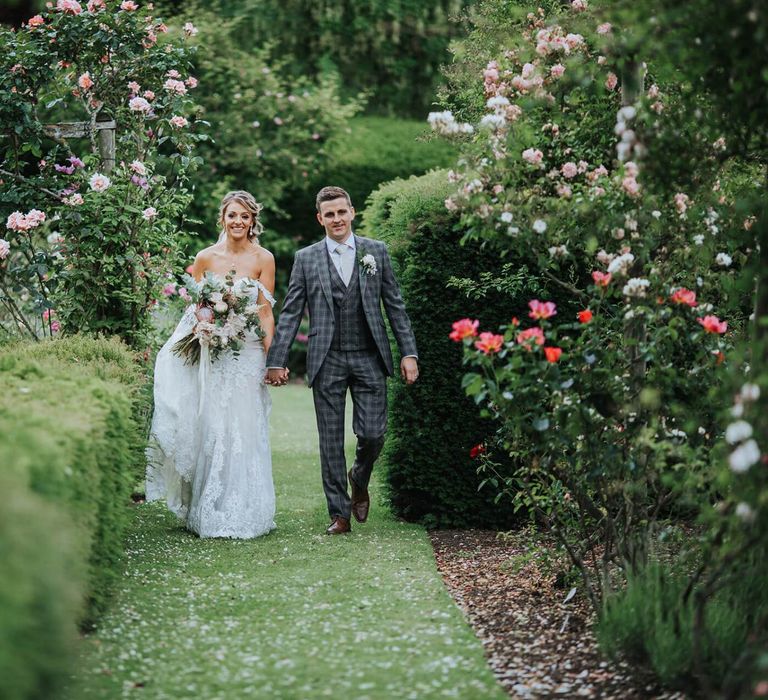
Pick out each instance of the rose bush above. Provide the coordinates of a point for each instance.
(110, 232)
(586, 166)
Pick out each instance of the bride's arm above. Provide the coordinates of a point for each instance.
(267, 278)
(200, 265)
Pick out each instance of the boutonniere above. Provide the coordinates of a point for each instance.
(368, 263)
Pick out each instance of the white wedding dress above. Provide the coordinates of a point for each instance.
(209, 454)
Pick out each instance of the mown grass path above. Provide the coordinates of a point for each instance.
(295, 614)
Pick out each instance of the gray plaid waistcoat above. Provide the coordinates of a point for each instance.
(351, 331)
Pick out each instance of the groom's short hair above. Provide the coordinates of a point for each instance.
(328, 194)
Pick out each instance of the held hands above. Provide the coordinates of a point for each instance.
(409, 369)
(277, 376)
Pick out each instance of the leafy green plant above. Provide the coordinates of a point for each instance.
(91, 239)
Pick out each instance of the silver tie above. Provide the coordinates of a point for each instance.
(344, 273)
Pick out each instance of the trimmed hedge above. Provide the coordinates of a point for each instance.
(376, 150)
(432, 424)
(71, 444)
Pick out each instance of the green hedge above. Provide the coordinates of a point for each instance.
(432, 424)
(376, 150)
(71, 444)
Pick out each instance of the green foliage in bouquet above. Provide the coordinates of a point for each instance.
(225, 311)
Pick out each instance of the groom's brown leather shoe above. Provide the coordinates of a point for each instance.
(338, 526)
(361, 501)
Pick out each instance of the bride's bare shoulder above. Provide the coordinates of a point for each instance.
(204, 259)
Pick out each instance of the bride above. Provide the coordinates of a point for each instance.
(209, 454)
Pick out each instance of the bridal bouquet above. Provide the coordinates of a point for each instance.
(225, 311)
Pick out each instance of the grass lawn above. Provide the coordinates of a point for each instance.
(295, 614)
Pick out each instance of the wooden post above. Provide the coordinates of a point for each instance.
(77, 130)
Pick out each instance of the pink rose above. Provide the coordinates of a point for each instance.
(602, 279)
(35, 21)
(129, 6)
(712, 324)
(569, 170)
(611, 81)
(489, 343)
(85, 82)
(464, 328)
(541, 309)
(604, 28)
(533, 156)
(172, 85)
(178, 122)
(557, 70)
(530, 337)
(149, 213)
(69, 6)
(684, 296)
(5, 248)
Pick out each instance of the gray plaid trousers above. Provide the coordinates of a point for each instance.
(362, 372)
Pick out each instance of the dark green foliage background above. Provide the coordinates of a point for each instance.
(433, 424)
(390, 49)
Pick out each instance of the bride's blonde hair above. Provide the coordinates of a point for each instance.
(247, 200)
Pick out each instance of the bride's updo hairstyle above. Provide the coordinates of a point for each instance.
(247, 200)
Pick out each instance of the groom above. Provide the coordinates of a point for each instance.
(344, 279)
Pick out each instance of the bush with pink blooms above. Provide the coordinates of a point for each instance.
(603, 179)
(97, 259)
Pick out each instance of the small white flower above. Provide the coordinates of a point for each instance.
(220, 307)
(656, 214)
(497, 102)
(99, 182)
(744, 456)
(745, 512)
(698, 239)
(724, 259)
(738, 432)
(750, 392)
(368, 263)
(621, 264)
(701, 430)
(506, 217)
(558, 251)
(636, 287)
(494, 122)
(539, 225)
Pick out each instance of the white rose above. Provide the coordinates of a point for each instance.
(738, 432)
(220, 307)
(744, 456)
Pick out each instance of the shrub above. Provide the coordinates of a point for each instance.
(74, 225)
(40, 592)
(376, 150)
(71, 442)
(653, 621)
(392, 48)
(433, 425)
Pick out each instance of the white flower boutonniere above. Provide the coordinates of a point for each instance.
(368, 263)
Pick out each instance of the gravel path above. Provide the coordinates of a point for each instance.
(538, 645)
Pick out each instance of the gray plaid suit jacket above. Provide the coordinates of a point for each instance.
(310, 284)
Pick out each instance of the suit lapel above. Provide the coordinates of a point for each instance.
(362, 276)
(321, 262)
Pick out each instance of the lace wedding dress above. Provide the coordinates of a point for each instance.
(209, 454)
